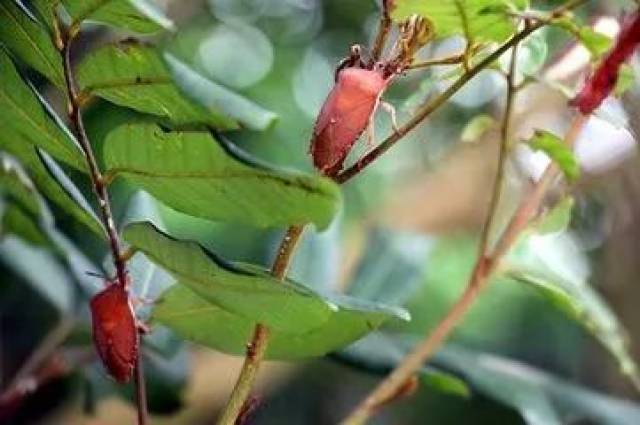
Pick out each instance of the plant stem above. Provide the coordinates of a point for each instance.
(383, 31)
(484, 267)
(141, 390)
(257, 347)
(502, 155)
(97, 181)
(449, 60)
(102, 195)
(426, 109)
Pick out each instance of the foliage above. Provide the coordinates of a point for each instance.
(176, 140)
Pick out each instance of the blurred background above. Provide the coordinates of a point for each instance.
(410, 221)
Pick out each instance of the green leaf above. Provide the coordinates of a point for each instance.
(378, 354)
(392, 268)
(15, 183)
(556, 220)
(65, 183)
(214, 96)
(47, 184)
(39, 267)
(141, 16)
(541, 398)
(625, 81)
(46, 11)
(237, 288)
(195, 319)
(480, 20)
(597, 43)
(134, 75)
(24, 120)
(198, 175)
(555, 266)
(19, 204)
(30, 41)
(477, 127)
(558, 151)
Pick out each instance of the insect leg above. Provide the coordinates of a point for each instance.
(371, 131)
(392, 114)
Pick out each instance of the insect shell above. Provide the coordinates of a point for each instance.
(345, 115)
(115, 331)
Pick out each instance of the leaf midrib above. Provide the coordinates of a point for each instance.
(204, 175)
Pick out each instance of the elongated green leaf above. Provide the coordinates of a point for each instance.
(195, 319)
(39, 267)
(598, 44)
(24, 121)
(392, 267)
(15, 182)
(556, 220)
(30, 41)
(379, 354)
(134, 75)
(197, 175)
(541, 398)
(47, 184)
(477, 127)
(19, 205)
(558, 151)
(250, 293)
(554, 265)
(46, 12)
(479, 20)
(142, 16)
(214, 96)
(626, 80)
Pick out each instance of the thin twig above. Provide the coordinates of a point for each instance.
(383, 31)
(44, 350)
(426, 109)
(449, 60)
(478, 281)
(97, 182)
(259, 342)
(141, 390)
(484, 248)
(257, 347)
(102, 195)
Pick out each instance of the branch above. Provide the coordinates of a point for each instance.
(102, 195)
(502, 155)
(97, 181)
(426, 109)
(55, 366)
(449, 60)
(257, 347)
(260, 340)
(484, 267)
(383, 31)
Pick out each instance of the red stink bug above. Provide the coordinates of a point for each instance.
(345, 115)
(115, 331)
(350, 105)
